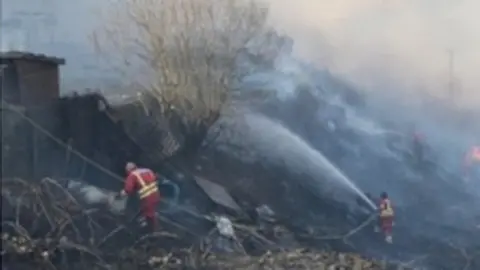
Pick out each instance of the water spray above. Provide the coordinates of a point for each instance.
(275, 143)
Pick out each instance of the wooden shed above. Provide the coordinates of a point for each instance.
(29, 79)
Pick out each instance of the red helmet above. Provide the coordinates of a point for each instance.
(130, 166)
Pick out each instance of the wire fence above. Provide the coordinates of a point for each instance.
(16, 115)
(63, 139)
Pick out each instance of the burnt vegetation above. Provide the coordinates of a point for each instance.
(44, 226)
(183, 60)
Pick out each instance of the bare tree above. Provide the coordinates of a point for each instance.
(181, 51)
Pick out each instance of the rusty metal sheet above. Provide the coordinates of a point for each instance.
(217, 193)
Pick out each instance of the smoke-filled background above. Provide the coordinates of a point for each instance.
(389, 45)
(386, 46)
(405, 56)
(417, 52)
(413, 62)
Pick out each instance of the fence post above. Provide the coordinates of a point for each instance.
(34, 153)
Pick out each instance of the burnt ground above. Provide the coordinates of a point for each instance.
(39, 215)
(443, 247)
(45, 227)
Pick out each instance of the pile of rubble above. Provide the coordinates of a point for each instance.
(300, 259)
(45, 227)
(18, 251)
(163, 259)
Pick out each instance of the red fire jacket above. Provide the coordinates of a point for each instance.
(144, 182)
(386, 216)
(386, 209)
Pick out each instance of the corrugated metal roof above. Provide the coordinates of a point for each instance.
(217, 193)
(16, 55)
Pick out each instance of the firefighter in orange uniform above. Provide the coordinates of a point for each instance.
(386, 217)
(144, 182)
(472, 160)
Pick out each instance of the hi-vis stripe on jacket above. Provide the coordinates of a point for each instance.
(146, 189)
(386, 209)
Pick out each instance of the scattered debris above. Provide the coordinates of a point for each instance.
(265, 213)
(298, 259)
(218, 194)
(225, 227)
(50, 225)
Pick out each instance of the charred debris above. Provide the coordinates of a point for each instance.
(45, 225)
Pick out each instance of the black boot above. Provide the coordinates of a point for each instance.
(151, 226)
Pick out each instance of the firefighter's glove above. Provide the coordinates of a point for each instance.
(121, 194)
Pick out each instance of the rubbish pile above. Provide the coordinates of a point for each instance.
(45, 226)
(301, 259)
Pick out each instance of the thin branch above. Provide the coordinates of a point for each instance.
(184, 50)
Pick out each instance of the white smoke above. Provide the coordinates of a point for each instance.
(92, 195)
(389, 45)
(256, 137)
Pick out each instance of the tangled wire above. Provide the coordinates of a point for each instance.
(44, 225)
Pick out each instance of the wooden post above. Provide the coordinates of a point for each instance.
(31, 147)
(68, 151)
(34, 153)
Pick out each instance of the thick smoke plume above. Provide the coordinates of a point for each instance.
(389, 45)
(415, 61)
(92, 195)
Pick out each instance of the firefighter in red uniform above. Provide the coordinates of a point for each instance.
(472, 161)
(144, 182)
(386, 217)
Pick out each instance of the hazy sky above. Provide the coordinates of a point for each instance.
(403, 43)
(74, 18)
